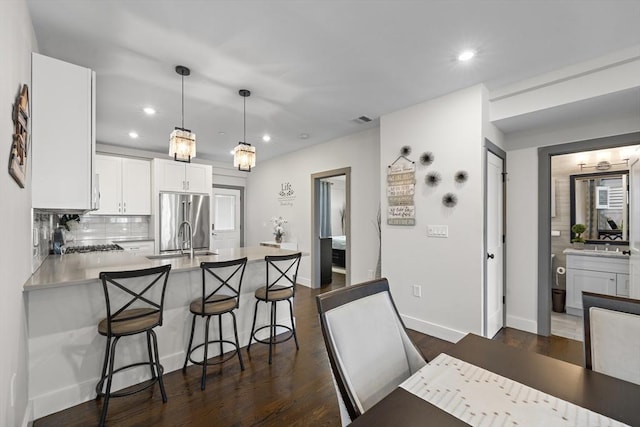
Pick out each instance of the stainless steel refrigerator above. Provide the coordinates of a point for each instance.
(178, 207)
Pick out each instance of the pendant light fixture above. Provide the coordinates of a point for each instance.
(244, 155)
(182, 143)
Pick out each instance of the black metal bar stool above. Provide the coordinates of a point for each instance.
(281, 271)
(220, 295)
(135, 301)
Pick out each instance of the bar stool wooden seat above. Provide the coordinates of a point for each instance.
(220, 295)
(134, 301)
(281, 275)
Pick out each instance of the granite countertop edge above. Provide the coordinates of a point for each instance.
(84, 268)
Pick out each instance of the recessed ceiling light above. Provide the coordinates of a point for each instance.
(466, 55)
(221, 133)
(133, 134)
(304, 136)
(149, 111)
(266, 138)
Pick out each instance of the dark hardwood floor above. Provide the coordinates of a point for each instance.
(296, 390)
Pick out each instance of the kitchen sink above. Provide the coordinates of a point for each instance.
(179, 255)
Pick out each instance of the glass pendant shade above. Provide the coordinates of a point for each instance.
(182, 142)
(244, 157)
(182, 145)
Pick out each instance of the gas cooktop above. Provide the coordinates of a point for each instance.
(92, 248)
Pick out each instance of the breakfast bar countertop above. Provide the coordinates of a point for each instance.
(81, 268)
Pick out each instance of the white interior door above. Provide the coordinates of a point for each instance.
(227, 226)
(634, 227)
(494, 265)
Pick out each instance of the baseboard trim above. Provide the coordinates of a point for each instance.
(522, 324)
(27, 420)
(432, 329)
(304, 281)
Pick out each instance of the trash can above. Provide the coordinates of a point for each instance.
(558, 299)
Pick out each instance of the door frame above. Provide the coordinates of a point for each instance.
(315, 222)
(490, 147)
(544, 212)
(242, 207)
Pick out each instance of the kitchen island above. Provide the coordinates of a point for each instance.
(65, 301)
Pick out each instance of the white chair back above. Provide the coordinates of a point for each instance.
(369, 349)
(612, 335)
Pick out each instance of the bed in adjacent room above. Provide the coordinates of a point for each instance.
(338, 248)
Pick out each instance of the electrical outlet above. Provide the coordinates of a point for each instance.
(417, 291)
(370, 274)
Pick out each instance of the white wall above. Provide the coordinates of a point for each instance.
(359, 151)
(522, 238)
(17, 40)
(449, 270)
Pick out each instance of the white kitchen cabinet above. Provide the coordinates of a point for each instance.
(62, 135)
(182, 177)
(125, 186)
(595, 272)
(142, 248)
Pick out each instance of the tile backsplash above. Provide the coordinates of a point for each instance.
(101, 229)
(40, 239)
(89, 230)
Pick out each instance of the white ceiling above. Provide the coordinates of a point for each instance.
(312, 66)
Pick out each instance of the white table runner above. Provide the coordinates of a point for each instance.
(484, 399)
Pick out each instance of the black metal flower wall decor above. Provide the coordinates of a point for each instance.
(432, 179)
(426, 158)
(449, 200)
(405, 150)
(461, 177)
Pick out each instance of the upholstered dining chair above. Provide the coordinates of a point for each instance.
(281, 276)
(369, 350)
(612, 335)
(221, 286)
(135, 302)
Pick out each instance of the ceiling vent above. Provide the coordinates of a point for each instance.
(363, 119)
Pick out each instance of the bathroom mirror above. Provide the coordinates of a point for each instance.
(600, 202)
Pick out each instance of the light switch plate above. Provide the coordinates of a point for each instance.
(437, 230)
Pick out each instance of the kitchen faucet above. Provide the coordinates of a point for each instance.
(181, 231)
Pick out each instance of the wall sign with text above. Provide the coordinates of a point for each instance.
(286, 195)
(401, 187)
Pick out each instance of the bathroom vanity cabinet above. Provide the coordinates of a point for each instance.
(604, 272)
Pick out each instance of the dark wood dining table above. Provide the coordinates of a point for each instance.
(614, 398)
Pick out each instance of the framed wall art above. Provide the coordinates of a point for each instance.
(20, 143)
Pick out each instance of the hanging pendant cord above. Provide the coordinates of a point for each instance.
(244, 114)
(183, 101)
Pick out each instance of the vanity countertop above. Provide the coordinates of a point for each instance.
(596, 253)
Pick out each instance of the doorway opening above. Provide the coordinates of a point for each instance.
(588, 188)
(331, 229)
(227, 226)
(548, 256)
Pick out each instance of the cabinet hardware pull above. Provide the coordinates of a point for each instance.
(490, 256)
(626, 252)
